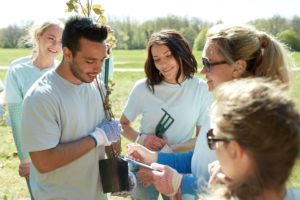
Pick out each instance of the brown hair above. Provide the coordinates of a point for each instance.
(266, 124)
(179, 48)
(264, 55)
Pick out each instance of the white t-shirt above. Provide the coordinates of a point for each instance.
(202, 155)
(56, 111)
(186, 103)
(293, 194)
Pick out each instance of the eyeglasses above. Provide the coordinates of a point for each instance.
(212, 139)
(207, 64)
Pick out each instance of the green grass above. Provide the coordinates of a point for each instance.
(296, 57)
(14, 187)
(8, 55)
(132, 58)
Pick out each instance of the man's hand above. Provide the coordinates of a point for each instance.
(107, 132)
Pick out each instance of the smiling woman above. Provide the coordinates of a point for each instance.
(24, 71)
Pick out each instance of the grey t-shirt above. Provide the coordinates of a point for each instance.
(56, 111)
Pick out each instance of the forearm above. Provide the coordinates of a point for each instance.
(128, 131)
(179, 161)
(189, 185)
(187, 146)
(184, 147)
(51, 159)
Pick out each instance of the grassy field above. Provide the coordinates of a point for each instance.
(14, 187)
(123, 58)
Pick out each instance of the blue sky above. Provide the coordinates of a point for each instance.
(229, 11)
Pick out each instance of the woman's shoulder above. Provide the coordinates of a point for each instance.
(21, 60)
(141, 83)
(197, 82)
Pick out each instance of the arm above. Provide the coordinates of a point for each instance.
(189, 185)
(179, 161)
(169, 182)
(128, 131)
(51, 159)
(15, 112)
(186, 146)
(150, 141)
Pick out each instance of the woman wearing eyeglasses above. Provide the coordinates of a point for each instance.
(256, 137)
(230, 53)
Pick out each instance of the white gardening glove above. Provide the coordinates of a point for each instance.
(107, 133)
(166, 179)
(132, 186)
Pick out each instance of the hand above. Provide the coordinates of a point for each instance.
(153, 142)
(107, 132)
(24, 170)
(112, 129)
(140, 153)
(132, 185)
(166, 179)
(145, 177)
(216, 174)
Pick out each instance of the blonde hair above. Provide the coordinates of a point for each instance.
(257, 113)
(40, 29)
(264, 55)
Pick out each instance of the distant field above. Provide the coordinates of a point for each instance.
(122, 58)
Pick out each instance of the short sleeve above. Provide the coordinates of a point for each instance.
(40, 129)
(134, 105)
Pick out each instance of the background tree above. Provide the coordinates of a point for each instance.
(133, 34)
(200, 39)
(290, 38)
(295, 24)
(11, 36)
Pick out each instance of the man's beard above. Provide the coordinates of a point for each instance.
(77, 73)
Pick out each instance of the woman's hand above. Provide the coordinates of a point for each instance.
(153, 142)
(24, 170)
(140, 153)
(216, 174)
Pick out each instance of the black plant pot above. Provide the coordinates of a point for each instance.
(114, 175)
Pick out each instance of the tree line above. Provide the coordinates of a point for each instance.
(132, 34)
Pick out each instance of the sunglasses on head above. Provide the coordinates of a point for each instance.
(208, 65)
(212, 139)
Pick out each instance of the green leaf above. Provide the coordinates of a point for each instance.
(98, 9)
(70, 6)
(102, 20)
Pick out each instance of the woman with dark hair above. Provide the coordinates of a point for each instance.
(170, 89)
